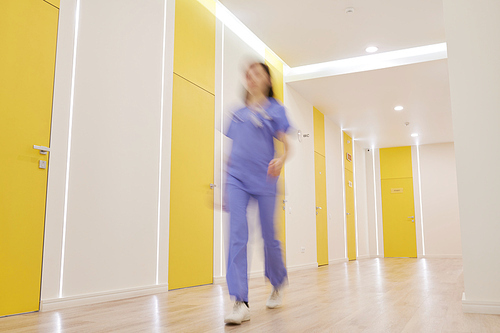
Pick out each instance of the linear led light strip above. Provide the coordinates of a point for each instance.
(369, 62)
(71, 107)
(222, 152)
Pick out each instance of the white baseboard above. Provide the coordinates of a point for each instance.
(301, 267)
(337, 261)
(442, 256)
(67, 302)
(222, 279)
(480, 307)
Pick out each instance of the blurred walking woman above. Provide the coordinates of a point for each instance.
(253, 171)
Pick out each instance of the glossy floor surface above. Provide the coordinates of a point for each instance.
(371, 295)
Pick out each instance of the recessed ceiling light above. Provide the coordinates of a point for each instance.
(398, 108)
(414, 135)
(371, 49)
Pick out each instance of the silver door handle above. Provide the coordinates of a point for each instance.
(43, 150)
(347, 213)
(319, 208)
(411, 217)
(212, 186)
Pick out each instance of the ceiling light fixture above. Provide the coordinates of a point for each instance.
(371, 49)
(398, 108)
(414, 135)
(366, 63)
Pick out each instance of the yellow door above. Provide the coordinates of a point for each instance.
(398, 209)
(321, 211)
(276, 68)
(350, 215)
(28, 34)
(398, 218)
(349, 198)
(192, 161)
(191, 198)
(320, 187)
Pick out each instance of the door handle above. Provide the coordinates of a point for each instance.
(411, 217)
(43, 150)
(212, 186)
(347, 213)
(319, 208)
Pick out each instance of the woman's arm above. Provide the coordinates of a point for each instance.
(276, 164)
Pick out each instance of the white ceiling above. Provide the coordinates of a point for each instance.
(308, 32)
(363, 103)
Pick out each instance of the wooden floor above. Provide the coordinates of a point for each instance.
(371, 295)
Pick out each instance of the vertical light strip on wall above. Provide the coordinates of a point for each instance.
(68, 158)
(375, 198)
(162, 99)
(222, 151)
(420, 199)
(354, 191)
(343, 189)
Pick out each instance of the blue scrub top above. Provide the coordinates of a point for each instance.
(253, 147)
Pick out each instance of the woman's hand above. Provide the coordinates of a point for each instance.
(275, 166)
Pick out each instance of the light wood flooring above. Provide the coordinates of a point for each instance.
(371, 295)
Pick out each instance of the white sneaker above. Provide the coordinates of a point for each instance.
(275, 299)
(240, 313)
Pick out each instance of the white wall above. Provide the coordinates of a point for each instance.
(299, 185)
(112, 207)
(57, 160)
(440, 200)
(334, 192)
(374, 203)
(473, 53)
(360, 184)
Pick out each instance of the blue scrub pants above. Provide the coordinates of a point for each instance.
(236, 276)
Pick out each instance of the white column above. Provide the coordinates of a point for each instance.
(473, 35)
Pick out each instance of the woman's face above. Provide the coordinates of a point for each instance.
(257, 80)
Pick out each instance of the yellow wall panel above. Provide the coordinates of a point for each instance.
(319, 132)
(276, 68)
(28, 35)
(192, 166)
(350, 215)
(395, 162)
(191, 199)
(321, 209)
(194, 42)
(348, 150)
